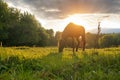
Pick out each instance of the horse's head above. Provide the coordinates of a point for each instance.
(61, 45)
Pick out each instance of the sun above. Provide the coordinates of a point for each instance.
(75, 19)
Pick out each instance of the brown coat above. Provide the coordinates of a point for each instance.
(75, 32)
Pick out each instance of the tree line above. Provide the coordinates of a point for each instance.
(105, 40)
(22, 29)
(18, 29)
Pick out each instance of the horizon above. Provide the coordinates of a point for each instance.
(53, 15)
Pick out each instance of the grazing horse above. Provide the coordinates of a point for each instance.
(75, 32)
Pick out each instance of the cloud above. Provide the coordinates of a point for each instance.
(62, 8)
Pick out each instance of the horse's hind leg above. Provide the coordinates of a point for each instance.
(77, 44)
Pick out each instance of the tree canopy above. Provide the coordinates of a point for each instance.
(18, 29)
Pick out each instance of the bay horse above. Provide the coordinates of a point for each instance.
(75, 32)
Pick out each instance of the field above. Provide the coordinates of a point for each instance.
(45, 63)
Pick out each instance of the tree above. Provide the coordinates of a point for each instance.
(4, 12)
(52, 41)
(98, 35)
(28, 30)
(43, 37)
(116, 37)
(106, 41)
(18, 29)
(90, 40)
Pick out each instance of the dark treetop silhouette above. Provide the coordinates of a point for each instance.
(75, 32)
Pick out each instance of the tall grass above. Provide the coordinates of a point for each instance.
(24, 63)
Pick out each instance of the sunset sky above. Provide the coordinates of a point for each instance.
(56, 14)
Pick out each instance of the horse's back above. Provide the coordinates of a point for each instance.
(73, 30)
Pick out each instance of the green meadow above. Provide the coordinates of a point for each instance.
(45, 63)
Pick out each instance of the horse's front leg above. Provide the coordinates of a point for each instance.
(73, 44)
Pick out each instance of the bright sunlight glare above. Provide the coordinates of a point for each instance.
(76, 19)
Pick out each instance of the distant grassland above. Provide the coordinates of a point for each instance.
(45, 63)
